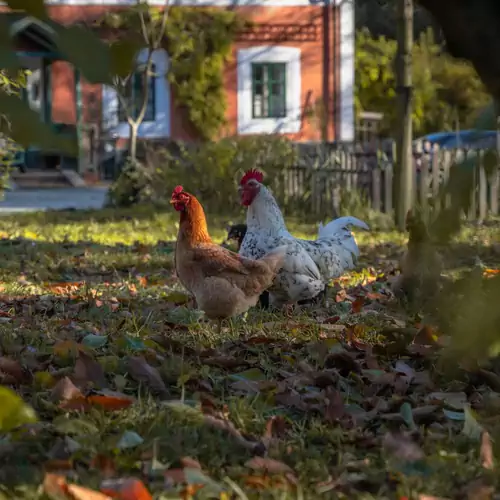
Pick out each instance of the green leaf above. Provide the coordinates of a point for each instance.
(75, 426)
(129, 439)
(407, 415)
(87, 52)
(8, 58)
(472, 428)
(178, 297)
(95, 341)
(14, 411)
(35, 8)
(123, 56)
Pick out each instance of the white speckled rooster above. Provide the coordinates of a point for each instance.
(309, 265)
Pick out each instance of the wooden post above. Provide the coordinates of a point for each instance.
(404, 91)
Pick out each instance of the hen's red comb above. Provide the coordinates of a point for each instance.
(252, 174)
(178, 189)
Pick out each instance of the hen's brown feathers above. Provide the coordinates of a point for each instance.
(224, 283)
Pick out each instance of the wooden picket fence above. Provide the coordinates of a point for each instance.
(324, 175)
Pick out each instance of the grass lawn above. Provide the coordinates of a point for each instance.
(128, 381)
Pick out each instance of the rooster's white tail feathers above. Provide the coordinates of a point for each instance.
(340, 224)
(338, 229)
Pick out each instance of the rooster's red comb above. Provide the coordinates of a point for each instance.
(252, 174)
(178, 189)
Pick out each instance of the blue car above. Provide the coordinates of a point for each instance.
(477, 139)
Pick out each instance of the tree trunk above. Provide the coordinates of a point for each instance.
(404, 177)
(132, 143)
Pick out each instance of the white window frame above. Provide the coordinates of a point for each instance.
(291, 123)
(157, 129)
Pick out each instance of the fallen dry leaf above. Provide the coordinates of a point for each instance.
(146, 374)
(88, 370)
(11, 371)
(128, 488)
(65, 390)
(108, 403)
(77, 492)
(486, 451)
(268, 465)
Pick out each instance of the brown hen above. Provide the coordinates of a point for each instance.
(224, 283)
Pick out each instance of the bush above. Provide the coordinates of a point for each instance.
(447, 92)
(210, 170)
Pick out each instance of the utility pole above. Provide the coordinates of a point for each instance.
(404, 172)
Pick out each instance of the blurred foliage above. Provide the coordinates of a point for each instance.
(10, 84)
(199, 43)
(448, 94)
(75, 43)
(209, 170)
(380, 18)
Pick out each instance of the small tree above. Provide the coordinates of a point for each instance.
(151, 25)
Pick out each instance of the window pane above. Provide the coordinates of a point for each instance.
(257, 72)
(278, 107)
(277, 89)
(257, 106)
(277, 72)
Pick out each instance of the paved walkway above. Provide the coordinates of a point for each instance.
(32, 200)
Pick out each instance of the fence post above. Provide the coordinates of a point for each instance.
(376, 188)
(436, 163)
(424, 185)
(388, 179)
(483, 188)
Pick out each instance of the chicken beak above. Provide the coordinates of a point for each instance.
(172, 202)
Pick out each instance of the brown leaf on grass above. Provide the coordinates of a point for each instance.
(65, 390)
(268, 465)
(64, 287)
(225, 425)
(58, 465)
(54, 485)
(104, 464)
(108, 403)
(146, 374)
(227, 362)
(11, 372)
(128, 488)
(344, 362)
(477, 490)
(335, 409)
(357, 305)
(426, 336)
(77, 492)
(88, 370)
(486, 451)
(275, 429)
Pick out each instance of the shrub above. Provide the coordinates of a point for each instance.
(209, 170)
(447, 92)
